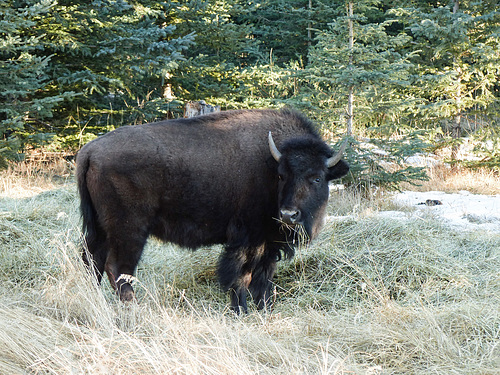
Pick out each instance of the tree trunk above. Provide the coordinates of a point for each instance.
(350, 103)
(455, 134)
(309, 26)
(167, 92)
(456, 130)
(193, 109)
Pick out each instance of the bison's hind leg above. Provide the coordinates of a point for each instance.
(125, 250)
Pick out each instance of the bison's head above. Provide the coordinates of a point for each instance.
(305, 165)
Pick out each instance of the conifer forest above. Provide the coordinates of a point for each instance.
(404, 77)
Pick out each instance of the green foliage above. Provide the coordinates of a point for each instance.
(116, 54)
(286, 28)
(221, 66)
(415, 67)
(382, 163)
(112, 57)
(24, 79)
(456, 71)
(458, 65)
(376, 69)
(379, 69)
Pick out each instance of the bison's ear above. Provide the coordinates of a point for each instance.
(338, 170)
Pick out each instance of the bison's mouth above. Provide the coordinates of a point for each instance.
(294, 225)
(295, 233)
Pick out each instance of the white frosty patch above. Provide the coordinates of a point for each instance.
(423, 160)
(462, 210)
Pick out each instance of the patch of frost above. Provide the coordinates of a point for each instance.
(462, 210)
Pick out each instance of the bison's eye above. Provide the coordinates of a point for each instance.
(316, 179)
(280, 177)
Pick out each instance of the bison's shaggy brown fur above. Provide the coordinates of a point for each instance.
(202, 181)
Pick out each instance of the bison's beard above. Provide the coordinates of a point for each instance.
(296, 234)
(302, 233)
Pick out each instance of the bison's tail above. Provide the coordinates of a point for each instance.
(91, 233)
(87, 209)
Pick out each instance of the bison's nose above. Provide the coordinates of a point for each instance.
(290, 216)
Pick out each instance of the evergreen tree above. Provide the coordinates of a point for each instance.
(25, 103)
(412, 66)
(116, 54)
(220, 66)
(245, 49)
(374, 70)
(286, 28)
(457, 71)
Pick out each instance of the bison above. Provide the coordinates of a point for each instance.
(249, 179)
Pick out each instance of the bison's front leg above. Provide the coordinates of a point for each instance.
(238, 294)
(235, 274)
(261, 284)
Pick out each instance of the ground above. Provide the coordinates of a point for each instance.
(389, 287)
(461, 211)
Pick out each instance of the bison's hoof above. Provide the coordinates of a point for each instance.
(124, 288)
(127, 296)
(237, 310)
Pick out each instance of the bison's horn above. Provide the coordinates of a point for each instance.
(336, 158)
(272, 147)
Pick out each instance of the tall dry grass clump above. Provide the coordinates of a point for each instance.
(452, 180)
(370, 296)
(35, 176)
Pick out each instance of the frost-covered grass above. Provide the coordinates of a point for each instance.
(374, 294)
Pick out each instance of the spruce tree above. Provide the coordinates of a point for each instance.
(26, 104)
(457, 71)
(370, 73)
(220, 66)
(287, 28)
(117, 55)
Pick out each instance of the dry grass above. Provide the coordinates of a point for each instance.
(29, 177)
(449, 180)
(371, 296)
